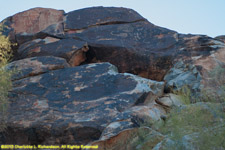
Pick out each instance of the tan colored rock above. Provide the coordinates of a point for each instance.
(213, 71)
(35, 20)
(169, 100)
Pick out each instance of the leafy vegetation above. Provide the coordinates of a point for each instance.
(184, 95)
(5, 77)
(203, 123)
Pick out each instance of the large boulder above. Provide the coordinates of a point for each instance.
(137, 47)
(35, 20)
(88, 17)
(73, 105)
(32, 21)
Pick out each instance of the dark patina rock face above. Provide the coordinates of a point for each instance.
(74, 51)
(139, 48)
(124, 38)
(84, 18)
(73, 104)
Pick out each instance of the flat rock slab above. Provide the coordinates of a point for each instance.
(70, 49)
(83, 18)
(36, 65)
(72, 105)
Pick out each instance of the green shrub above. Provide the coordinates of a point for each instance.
(184, 95)
(5, 77)
(201, 125)
(204, 123)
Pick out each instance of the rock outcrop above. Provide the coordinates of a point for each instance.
(89, 75)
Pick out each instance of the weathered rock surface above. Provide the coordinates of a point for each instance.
(70, 49)
(138, 138)
(88, 17)
(139, 48)
(170, 100)
(35, 20)
(72, 104)
(32, 21)
(36, 65)
(136, 116)
(183, 76)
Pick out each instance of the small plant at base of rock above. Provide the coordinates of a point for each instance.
(184, 94)
(200, 125)
(146, 139)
